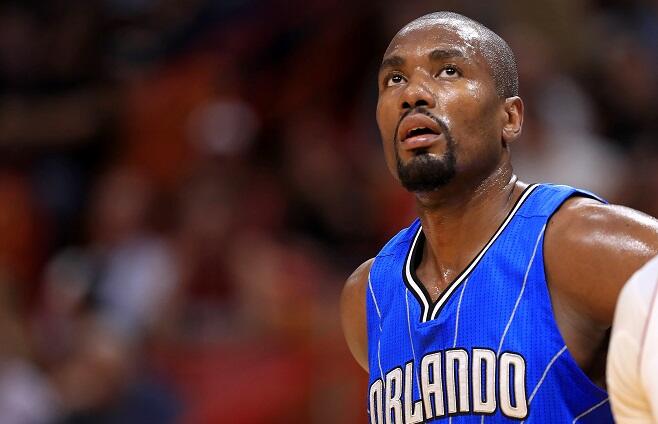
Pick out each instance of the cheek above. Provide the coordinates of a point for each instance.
(386, 121)
(385, 117)
(470, 112)
(471, 116)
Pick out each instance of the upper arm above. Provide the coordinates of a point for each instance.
(353, 313)
(592, 249)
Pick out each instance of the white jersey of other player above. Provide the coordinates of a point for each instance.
(632, 368)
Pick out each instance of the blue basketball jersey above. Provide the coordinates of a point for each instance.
(488, 349)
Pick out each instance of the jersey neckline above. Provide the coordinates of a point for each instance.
(429, 309)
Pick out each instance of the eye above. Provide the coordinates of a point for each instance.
(394, 80)
(449, 71)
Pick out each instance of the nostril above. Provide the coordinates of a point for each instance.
(406, 105)
(421, 102)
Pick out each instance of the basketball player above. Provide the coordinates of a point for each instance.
(495, 305)
(633, 358)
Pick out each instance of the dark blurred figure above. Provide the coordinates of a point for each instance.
(100, 305)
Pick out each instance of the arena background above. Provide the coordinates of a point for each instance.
(186, 184)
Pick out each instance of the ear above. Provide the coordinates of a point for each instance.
(513, 115)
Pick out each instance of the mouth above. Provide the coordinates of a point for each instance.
(418, 132)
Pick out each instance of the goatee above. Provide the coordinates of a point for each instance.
(427, 172)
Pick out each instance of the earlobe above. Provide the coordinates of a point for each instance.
(513, 119)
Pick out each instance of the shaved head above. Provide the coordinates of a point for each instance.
(495, 51)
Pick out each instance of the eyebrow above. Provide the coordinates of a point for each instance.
(391, 62)
(438, 54)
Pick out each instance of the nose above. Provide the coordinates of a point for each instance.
(415, 94)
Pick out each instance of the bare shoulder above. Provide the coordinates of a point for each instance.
(353, 313)
(592, 249)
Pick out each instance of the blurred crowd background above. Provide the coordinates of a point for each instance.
(186, 184)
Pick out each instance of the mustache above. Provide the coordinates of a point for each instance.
(423, 109)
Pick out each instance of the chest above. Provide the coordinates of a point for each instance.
(492, 347)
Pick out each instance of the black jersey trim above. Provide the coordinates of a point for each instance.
(409, 277)
(430, 310)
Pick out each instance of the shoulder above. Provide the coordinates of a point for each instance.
(353, 312)
(356, 282)
(589, 214)
(591, 249)
(602, 235)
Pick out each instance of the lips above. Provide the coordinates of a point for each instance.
(418, 131)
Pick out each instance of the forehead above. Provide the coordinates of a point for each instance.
(424, 35)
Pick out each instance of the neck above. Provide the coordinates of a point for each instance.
(458, 222)
(459, 197)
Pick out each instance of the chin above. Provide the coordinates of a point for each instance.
(427, 173)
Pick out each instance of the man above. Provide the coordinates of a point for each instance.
(632, 359)
(496, 304)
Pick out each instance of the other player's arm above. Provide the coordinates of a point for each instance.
(629, 396)
(353, 313)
